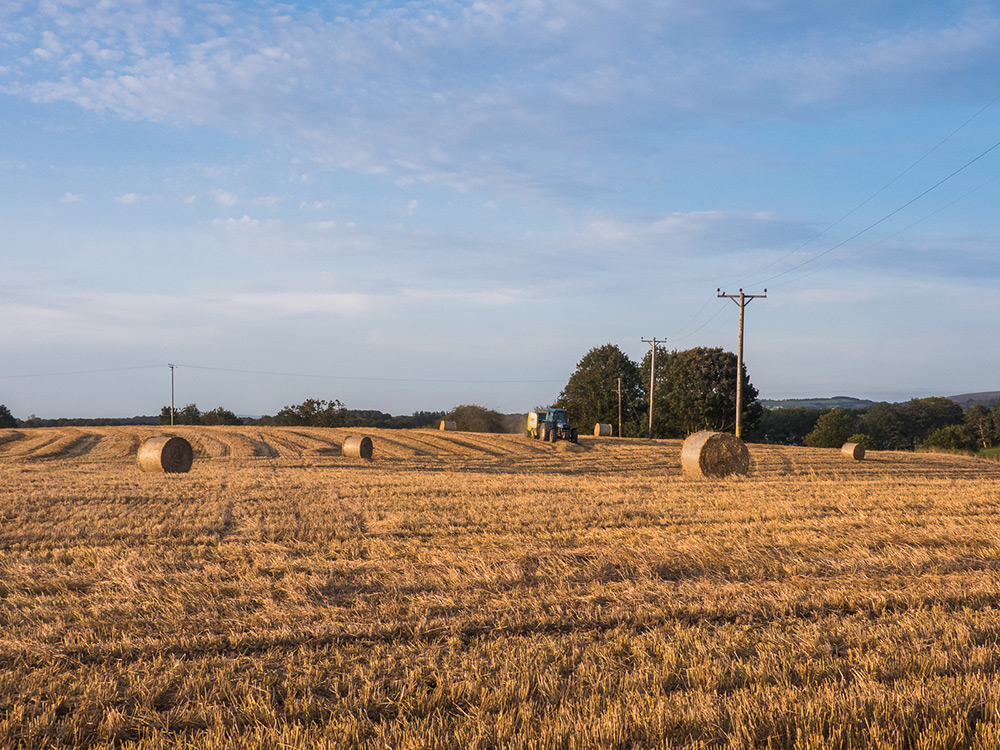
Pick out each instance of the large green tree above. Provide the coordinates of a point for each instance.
(698, 392)
(312, 413)
(832, 429)
(591, 395)
(6, 418)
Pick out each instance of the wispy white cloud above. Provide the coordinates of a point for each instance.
(701, 233)
(448, 92)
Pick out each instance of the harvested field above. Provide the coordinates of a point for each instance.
(489, 591)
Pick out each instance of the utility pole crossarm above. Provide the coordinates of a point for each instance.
(742, 300)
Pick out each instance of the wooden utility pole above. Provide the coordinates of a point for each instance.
(171, 395)
(652, 377)
(619, 407)
(742, 300)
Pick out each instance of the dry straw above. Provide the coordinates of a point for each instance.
(358, 447)
(172, 455)
(714, 454)
(854, 450)
(448, 426)
(602, 430)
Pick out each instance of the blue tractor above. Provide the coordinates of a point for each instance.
(551, 425)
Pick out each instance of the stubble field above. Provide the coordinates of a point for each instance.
(486, 591)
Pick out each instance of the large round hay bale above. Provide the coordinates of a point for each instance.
(854, 450)
(358, 447)
(172, 455)
(448, 426)
(714, 454)
(602, 430)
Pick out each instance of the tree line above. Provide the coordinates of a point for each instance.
(692, 390)
(310, 413)
(935, 423)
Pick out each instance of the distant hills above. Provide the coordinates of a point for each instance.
(984, 398)
(842, 402)
(965, 400)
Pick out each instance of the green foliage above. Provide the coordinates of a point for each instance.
(952, 438)
(220, 416)
(698, 392)
(417, 419)
(6, 418)
(475, 418)
(819, 404)
(188, 415)
(591, 395)
(311, 413)
(832, 429)
(861, 439)
(903, 426)
(982, 425)
(694, 390)
(191, 415)
(784, 426)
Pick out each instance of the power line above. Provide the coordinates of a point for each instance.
(876, 194)
(894, 234)
(319, 376)
(322, 376)
(886, 217)
(80, 372)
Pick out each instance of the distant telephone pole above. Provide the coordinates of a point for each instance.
(742, 300)
(171, 395)
(652, 378)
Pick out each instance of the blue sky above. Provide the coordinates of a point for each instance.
(410, 206)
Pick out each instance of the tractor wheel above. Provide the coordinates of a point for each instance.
(543, 432)
(555, 434)
(573, 436)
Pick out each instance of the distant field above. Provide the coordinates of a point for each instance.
(486, 591)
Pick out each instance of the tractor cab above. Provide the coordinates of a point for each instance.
(557, 417)
(551, 425)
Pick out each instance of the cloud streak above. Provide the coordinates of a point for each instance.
(450, 92)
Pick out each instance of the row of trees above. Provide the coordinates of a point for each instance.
(310, 413)
(693, 390)
(927, 422)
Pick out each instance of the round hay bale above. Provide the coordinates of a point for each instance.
(602, 430)
(854, 450)
(172, 455)
(448, 426)
(358, 447)
(714, 454)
